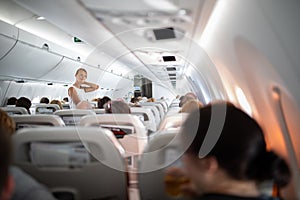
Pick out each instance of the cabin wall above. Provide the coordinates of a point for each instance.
(33, 91)
(254, 42)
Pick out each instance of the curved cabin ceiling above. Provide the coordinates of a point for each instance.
(119, 38)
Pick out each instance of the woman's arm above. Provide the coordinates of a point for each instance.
(73, 95)
(92, 87)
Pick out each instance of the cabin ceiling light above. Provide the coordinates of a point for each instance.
(40, 18)
(163, 5)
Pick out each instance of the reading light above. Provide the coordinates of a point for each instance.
(40, 18)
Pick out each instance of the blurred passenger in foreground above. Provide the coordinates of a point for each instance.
(226, 156)
(14, 183)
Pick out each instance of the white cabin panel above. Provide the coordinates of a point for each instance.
(8, 36)
(27, 62)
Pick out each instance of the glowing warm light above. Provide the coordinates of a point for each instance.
(243, 100)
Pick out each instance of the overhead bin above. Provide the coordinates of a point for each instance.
(26, 61)
(8, 36)
(64, 71)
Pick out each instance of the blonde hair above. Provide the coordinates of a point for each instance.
(58, 102)
(7, 122)
(80, 69)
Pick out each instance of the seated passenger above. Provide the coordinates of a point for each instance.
(151, 99)
(117, 107)
(6, 182)
(226, 155)
(66, 99)
(58, 102)
(134, 102)
(188, 96)
(24, 102)
(44, 100)
(16, 184)
(102, 101)
(11, 102)
(190, 106)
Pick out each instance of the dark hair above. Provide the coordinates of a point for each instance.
(11, 101)
(240, 148)
(103, 101)
(66, 99)
(24, 102)
(5, 157)
(80, 69)
(44, 100)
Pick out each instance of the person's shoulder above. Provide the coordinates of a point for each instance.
(26, 187)
(72, 88)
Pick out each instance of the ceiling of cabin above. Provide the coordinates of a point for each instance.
(132, 22)
(122, 31)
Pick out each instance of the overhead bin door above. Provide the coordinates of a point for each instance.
(64, 71)
(26, 61)
(8, 35)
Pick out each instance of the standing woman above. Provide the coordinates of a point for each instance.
(79, 88)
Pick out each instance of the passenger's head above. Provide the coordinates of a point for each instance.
(7, 128)
(24, 102)
(151, 100)
(84, 105)
(81, 75)
(117, 107)
(190, 106)
(225, 139)
(11, 101)
(134, 100)
(102, 101)
(187, 97)
(44, 100)
(66, 99)
(58, 102)
(5, 161)
(7, 122)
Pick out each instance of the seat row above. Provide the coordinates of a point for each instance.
(88, 162)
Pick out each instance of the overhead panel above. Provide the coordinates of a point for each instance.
(64, 71)
(32, 62)
(8, 36)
